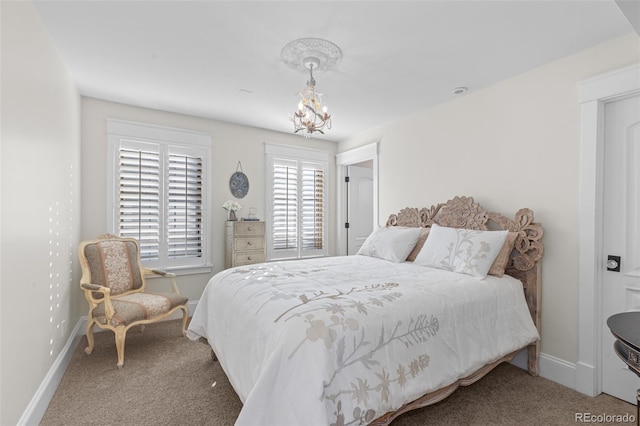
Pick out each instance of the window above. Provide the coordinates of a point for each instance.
(296, 210)
(158, 194)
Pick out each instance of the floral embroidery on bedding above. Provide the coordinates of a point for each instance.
(361, 390)
(335, 320)
(342, 333)
(359, 351)
(338, 295)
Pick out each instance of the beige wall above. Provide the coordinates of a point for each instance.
(231, 143)
(40, 197)
(511, 145)
(515, 144)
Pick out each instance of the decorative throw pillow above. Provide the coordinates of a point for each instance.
(502, 260)
(393, 243)
(465, 251)
(424, 233)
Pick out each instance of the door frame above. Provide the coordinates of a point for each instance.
(595, 93)
(344, 159)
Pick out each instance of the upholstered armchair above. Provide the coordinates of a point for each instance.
(114, 281)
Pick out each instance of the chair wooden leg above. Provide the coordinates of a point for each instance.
(89, 334)
(185, 319)
(121, 334)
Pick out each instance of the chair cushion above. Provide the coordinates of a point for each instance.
(114, 264)
(139, 306)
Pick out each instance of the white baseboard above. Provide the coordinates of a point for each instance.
(40, 401)
(552, 368)
(558, 370)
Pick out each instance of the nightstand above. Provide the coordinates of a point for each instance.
(625, 327)
(245, 243)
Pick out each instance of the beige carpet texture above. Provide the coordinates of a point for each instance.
(167, 380)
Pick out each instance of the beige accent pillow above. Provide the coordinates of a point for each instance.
(502, 260)
(424, 233)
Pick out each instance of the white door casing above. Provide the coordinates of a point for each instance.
(594, 94)
(357, 155)
(621, 216)
(359, 206)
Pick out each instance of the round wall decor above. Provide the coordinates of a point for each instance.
(239, 183)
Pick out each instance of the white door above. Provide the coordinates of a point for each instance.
(621, 290)
(360, 206)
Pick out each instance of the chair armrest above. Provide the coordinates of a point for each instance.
(89, 289)
(93, 287)
(165, 274)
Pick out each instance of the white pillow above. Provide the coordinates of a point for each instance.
(393, 243)
(465, 251)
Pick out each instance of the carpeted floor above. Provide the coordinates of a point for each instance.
(167, 378)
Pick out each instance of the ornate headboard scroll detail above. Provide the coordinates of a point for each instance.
(524, 263)
(463, 212)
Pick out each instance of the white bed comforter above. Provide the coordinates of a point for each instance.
(343, 340)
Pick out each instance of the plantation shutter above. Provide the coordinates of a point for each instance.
(285, 207)
(184, 210)
(298, 208)
(161, 201)
(139, 201)
(312, 207)
(158, 180)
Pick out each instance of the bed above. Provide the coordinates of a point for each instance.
(362, 339)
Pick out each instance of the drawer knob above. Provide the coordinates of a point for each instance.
(249, 243)
(249, 258)
(250, 228)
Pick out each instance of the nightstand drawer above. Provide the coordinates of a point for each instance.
(249, 228)
(247, 258)
(250, 243)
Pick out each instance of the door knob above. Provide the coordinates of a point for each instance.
(613, 263)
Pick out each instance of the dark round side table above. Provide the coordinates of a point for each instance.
(625, 327)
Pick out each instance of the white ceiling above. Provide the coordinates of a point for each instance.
(221, 59)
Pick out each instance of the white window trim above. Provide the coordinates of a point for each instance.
(298, 154)
(118, 130)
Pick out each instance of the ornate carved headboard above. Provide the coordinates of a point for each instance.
(525, 260)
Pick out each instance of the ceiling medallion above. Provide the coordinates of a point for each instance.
(311, 54)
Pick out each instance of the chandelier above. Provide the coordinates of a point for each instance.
(311, 115)
(311, 54)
